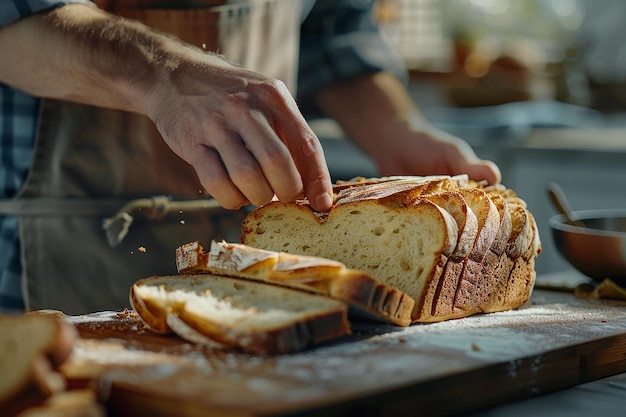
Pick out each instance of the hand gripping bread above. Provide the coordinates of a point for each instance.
(237, 313)
(388, 228)
(366, 296)
(384, 229)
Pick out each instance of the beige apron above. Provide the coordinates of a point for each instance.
(90, 162)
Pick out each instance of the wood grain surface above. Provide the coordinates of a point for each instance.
(450, 368)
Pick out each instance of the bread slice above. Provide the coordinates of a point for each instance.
(237, 313)
(32, 346)
(463, 283)
(443, 289)
(514, 271)
(491, 268)
(372, 227)
(522, 277)
(367, 296)
(473, 287)
(449, 181)
(383, 229)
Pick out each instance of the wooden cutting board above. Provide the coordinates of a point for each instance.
(553, 342)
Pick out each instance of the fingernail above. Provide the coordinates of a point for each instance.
(323, 201)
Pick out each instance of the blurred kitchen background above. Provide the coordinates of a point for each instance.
(538, 86)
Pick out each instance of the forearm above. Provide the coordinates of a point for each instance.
(81, 53)
(377, 113)
(371, 109)
(240, 130)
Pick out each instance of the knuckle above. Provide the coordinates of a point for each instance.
(244, 176)
(310, 145)
(238, 103)
(274, 86)
(275, 156)
(274, 91)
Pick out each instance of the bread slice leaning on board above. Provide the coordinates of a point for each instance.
(32, 347)
(454, 256)
(366, 296)
(229, 312)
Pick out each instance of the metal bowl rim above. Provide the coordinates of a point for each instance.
(557, 222)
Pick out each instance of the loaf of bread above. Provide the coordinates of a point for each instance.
(455, 246)
(32, 347)
(366, 296)
(236, 313)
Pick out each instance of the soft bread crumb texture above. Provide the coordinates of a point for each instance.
(232, 302)
(311, 274)
(237, 313)
(397, 246)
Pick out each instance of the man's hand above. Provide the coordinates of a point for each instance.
(378, 114)
(425, 150)
(241, 131)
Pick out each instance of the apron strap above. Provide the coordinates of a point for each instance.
(55, 207)
(155, 207)
(118, 214)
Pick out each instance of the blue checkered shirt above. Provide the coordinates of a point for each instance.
(338, 41)
(18, 119)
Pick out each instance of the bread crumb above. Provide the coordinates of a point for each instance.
(127, 313)
(475, 347)
(142, 249)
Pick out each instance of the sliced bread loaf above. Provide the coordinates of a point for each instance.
(387, 231)
(238, 313)
(395, 230)
(366, 296)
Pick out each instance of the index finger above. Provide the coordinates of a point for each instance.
(306, 150)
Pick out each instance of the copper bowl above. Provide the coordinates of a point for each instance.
(598, 249)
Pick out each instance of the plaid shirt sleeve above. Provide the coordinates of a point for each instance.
(18, 119)
(12, 10)
(340, 40)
